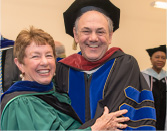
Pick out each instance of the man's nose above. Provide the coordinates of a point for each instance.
(93, 37)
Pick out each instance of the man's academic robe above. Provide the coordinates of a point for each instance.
(114, 81)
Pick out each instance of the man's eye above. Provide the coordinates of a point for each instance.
(100, 32)
(85, 32)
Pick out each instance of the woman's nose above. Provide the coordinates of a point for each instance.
(44, 60)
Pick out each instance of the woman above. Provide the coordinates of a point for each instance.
(156, 79)
(33, 103)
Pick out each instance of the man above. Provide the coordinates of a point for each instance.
(60, 51)
(156, 79)
(98, 77)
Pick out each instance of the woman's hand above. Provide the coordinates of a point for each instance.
(110, 121)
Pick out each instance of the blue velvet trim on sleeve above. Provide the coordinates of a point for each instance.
(139, 114)
(143, 128)
(137, 96)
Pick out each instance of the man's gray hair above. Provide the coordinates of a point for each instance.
(110, 23)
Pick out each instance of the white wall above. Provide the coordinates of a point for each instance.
(141, 26)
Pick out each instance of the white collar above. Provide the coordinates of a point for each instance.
(154, 74)
(91, 71)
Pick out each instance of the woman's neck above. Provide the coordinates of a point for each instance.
(156, 70)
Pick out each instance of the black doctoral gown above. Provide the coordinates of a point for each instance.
(115, 82)
(157, 83)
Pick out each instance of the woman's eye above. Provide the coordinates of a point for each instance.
(35, 56)
(49, 55)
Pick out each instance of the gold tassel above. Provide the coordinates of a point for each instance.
(74, 45)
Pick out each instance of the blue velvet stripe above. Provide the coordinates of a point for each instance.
(77, 86)
(97, 85)
(139, 114)
(143, 128)
(137, 96)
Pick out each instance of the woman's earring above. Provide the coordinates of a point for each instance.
(22, 76)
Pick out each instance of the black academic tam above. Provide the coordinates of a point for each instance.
(71, 14)
(153, 50)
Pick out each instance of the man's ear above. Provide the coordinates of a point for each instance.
(110, 37)
(19, 65)
(75, 35)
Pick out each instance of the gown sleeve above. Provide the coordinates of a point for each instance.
(126, 87)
